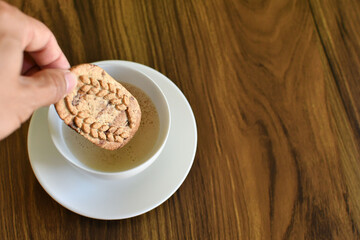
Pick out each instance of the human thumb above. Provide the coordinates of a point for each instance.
(48, 86)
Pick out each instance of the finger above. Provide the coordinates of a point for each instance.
(47, 86)
(49, 55)
(42, 46)
(33, 36)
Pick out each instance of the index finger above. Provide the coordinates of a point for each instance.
(33, 36)
(41, 44)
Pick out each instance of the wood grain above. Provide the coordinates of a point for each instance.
(273, 86)
(337, 23)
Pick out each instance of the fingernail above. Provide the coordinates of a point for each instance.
(70, 81)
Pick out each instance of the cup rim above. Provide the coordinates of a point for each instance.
(127, 172)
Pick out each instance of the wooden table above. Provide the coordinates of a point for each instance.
(275, 91)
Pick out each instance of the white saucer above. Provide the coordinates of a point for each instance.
(122, 198)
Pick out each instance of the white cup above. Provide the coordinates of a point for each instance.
(128, 75)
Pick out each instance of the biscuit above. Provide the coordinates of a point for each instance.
(100, 108)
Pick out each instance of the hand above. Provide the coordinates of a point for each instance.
(33, 68)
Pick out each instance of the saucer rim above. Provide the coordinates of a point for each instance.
(174, 188)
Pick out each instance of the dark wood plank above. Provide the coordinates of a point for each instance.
(338, 25)
(278, 150)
